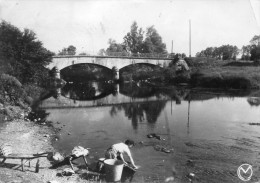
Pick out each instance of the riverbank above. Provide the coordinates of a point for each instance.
(203, 73)
(211, 73)
(27, 137)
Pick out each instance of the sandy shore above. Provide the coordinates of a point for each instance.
(29, 138)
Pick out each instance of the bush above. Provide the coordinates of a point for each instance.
(12, 92)
(33, 92)
(221, 80)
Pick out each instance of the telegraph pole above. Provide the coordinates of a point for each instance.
(172, 47)
(190, 36)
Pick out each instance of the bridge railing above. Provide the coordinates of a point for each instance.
(125, 54)
(141, 55)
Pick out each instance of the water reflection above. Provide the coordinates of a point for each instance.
(139, 90)
(140, 112)
(88, 90)
(138, 101)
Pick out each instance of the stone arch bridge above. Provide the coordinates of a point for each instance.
(62, 62)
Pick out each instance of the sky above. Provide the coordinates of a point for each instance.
(89, 24)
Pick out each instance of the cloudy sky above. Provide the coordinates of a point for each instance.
(88, 24)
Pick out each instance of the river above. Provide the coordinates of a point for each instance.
(208, 133)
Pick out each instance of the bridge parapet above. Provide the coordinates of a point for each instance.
(61, 62)
(108, 61)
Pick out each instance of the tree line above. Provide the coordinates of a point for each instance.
(135, 42)
(229, 52)
(22, 55)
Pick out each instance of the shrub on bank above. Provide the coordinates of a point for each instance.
(33, 91)
(11, 90)
(225, 80)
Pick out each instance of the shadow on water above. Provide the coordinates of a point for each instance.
(88, 90)
(138, 90)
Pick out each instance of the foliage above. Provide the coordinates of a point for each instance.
(255, 40)
(224, 52)
(83, 53)
(211, 73)
(228, 52)
(255, 53)
(71, 50)
(32, 91)
(114, 47)
(246, 52)
(153, 42)
(102, 52)
(255, 49)
(11, 90)
(138, 42)
(24, 56)
(133, 40)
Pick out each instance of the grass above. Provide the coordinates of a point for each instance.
(210, 73)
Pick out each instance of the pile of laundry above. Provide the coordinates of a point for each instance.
(161, 148)
(153, 135)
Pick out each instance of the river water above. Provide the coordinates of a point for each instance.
(208, 133)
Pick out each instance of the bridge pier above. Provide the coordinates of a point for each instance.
(117, 75)
(57, 74)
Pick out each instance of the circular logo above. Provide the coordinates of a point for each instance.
(245, 172)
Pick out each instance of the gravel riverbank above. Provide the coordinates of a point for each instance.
(29, 138)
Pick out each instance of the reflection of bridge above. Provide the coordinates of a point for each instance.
(107, 61)
(63, 102)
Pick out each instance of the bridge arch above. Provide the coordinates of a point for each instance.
(88, 71)
(139, 71)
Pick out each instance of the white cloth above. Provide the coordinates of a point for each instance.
(79, 151)
(6, 149)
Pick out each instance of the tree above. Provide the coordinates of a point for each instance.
(115, 48)
(153, 42)
(246, 52)
(134, 39)
(229, 52)
(102, 52)
(71, 50)
(24, 55)
(83, 53)
(255, 53)
(136, 42)
(255, 40)
(224, 52)
(63, 52)
(209, 52)
(255, 48)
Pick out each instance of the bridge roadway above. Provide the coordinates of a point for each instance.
(61, 62)
(63, 102)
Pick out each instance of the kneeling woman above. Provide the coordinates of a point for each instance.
(116, 151)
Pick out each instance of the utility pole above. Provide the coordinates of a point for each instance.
(172, 47)
(190, 36)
